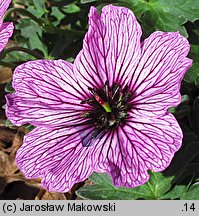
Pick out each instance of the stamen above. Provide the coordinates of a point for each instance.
(88, 101)
(106, 89)
(109, 108)
(104, 104)
(120, 100)
(116, 91)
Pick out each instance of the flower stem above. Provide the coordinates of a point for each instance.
(7, 64)
(22, 49)
(24, 12)
(46, 26)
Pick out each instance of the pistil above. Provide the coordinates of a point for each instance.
(104, 104)
(109, 107)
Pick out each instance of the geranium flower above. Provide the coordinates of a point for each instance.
(6, 28)
(107, 112)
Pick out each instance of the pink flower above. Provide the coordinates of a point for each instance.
(107, 112)
(6, 28)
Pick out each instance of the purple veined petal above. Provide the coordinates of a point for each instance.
(56, 156)
(4, 4)
(140, 145)
(111, 47)
(47, 93)
(155, 139)
(6, 31)
(156, 81)
(115, 155)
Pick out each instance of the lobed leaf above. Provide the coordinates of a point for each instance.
(155, 188)
(165, 15)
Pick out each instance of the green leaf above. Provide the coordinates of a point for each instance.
(18, 56)
(183, 192)
(165, 15)
(194, 116)
(58, 14)
(9, 88)
(29, 127)
(192, 75)
(155, 188)
(8, 123)
(87, 1)
(33, 32)
(38, 8)
(71, 8)
(177, 192)
(193, 193)
(101, 179)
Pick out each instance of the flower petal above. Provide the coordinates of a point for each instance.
(47, 93)
(138, 146)
(6, 31)
(4, 4)
(111, 47)
(156, 81)
(55, 155)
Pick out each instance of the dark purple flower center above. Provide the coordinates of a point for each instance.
(110, 106)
